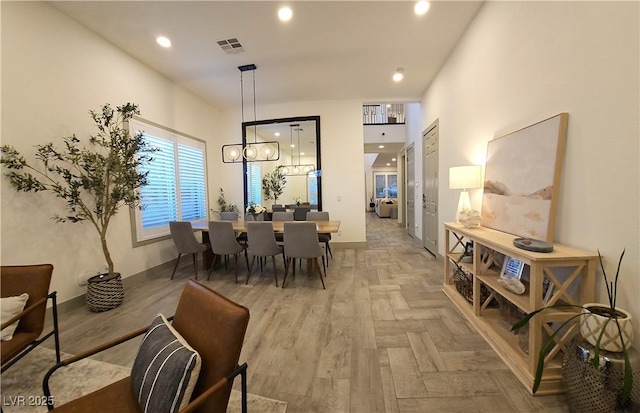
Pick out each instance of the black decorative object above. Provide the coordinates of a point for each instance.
(531, 244)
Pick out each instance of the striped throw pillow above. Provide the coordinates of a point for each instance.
(165, 370)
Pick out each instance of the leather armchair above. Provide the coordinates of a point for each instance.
(33, 280)
(213, 325)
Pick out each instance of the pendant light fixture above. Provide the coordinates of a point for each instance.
(250, 151)
(299, 168)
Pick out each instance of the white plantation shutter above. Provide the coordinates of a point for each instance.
(177, 189)
(193, 193)
(254, 182)
(159, 197)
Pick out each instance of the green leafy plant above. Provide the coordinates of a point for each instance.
(273, 184)
(222, 203)
(609, 311)
(94, 182)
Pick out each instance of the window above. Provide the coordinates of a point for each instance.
(254, 182)
(177, 181)
(386, 185)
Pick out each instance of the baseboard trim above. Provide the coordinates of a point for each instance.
(129, 282)
(345, 245)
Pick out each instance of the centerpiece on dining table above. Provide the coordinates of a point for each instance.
(255, 210)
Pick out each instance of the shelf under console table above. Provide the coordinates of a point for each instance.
(569, 271)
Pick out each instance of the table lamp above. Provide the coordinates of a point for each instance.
(464, 177)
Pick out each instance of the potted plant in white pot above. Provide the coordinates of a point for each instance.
(94, 182)
(606, 327)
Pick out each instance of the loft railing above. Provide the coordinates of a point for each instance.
(383, 114)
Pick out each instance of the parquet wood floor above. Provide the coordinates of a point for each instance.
(381, 338)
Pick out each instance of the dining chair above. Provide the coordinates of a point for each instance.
(207, 330)
(25, 291)
(262, 243)
(301, 241)
(281, 216)
(223, 243)
(186, 243)
(324, 238)
(250, 217)
(300, 213)
(233, 216)
(278, 208)
(228, 216)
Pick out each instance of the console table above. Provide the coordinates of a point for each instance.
(570, 271)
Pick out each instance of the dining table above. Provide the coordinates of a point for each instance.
(323, 227)
(240, 226)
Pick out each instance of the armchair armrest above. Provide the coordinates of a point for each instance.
(197, 402)
(23, 313)
(85, 354)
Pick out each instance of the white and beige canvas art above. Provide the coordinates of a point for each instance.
(522, 177)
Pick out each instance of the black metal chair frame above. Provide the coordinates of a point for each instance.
(35, 343)
(240, 370)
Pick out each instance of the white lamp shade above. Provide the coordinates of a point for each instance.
(465, 177)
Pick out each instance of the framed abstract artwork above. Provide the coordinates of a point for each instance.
(522, 179)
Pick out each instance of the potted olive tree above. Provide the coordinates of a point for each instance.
(606, 327)
(94, 182)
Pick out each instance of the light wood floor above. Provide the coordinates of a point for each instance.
(381, 338)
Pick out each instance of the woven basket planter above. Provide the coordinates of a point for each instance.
(104, 292)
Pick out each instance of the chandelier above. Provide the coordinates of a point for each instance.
(296, 169)
(250, 151)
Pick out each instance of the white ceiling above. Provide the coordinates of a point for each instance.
(329, 50)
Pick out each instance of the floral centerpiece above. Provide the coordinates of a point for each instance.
(297, 200)
(255, 209)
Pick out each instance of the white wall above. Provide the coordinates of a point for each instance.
(53, 72)
(341, 148)
(522, 62)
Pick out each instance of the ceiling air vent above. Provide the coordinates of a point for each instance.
(231, 46)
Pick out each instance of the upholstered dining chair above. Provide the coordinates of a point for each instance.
(233, 216)
(301, 241)
(186, 243)
(300, 213)
(25, 291)
(250, 217)
(324, 238)
(205, 323)
(281, 216)
(223, 243)
(262, 243)
(228, 216)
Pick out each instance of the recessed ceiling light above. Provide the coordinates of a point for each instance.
(398, 75)
(163, 41)
(301, 153)
(285, 14)
(277, 133)
(421, 7)
(393, 159)
(388, 164)
(380, 146)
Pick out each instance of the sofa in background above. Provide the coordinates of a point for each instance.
(385, 205)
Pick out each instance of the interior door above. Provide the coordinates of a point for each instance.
(430, 188)
(411, 192)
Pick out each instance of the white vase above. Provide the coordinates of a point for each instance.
(591, 326)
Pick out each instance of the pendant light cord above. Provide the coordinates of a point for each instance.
(255, 117)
